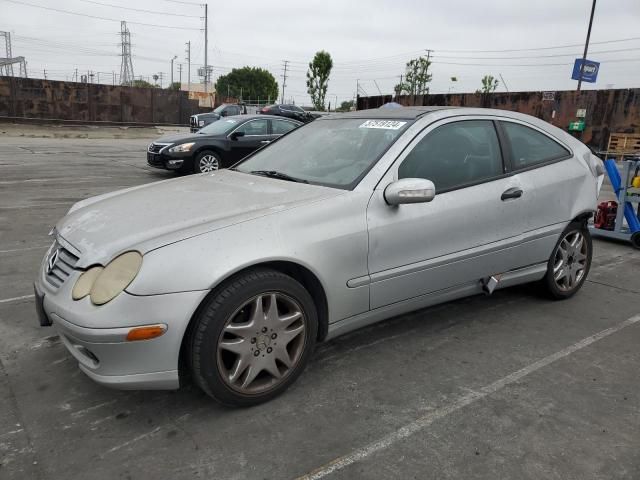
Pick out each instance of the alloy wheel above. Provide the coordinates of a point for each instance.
(208, 163)
(570, 261)
(261, 343)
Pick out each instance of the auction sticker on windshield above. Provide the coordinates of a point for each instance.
(385, 124)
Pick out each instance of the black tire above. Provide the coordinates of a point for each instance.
(198, 168)
(635, 240)
(215, 316)
(553, 286)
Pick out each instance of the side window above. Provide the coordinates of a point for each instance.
(455, 154)
(254, 127)
(280, 127)
(530, 147)
(233, 111)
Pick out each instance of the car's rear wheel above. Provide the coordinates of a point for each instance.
(253, 338)
(207, 162)
(570, 261)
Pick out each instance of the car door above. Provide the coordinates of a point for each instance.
(255, 135)
(546, 164)
(464, 234)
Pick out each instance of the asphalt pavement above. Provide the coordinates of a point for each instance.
(511, 386)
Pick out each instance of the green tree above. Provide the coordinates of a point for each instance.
(248, 82)
(416, 78)
(174, 86)
(489, 85)
(318, 78)
(142, 84)
(346, 106)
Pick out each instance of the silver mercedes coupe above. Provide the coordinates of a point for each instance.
(232, 277)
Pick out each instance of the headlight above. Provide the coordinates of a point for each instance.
(201, 123)
(185, 147)
(105, 284)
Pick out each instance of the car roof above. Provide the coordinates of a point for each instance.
(404, 113)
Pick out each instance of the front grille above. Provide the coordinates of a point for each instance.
(59, 265)
(156, 147)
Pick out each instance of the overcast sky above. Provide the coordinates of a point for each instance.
(370, 40)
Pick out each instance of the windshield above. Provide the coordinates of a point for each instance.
(335, 153)
(219, 109)
(219, 127)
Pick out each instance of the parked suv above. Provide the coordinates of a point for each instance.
(290, 111)
(196, 122)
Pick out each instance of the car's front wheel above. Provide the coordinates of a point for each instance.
(207, 161)
(253, 338)
(570, 261)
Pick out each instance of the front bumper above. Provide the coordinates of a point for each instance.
(172, 161)
(96, 335)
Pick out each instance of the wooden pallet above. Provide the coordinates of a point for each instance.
(621, 144)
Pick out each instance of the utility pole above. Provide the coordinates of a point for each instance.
(206, 45)
(427, 72)
(174, 57)
(284, 78)
(160, 76)
(586, 45)
(180, 74)
(114, 77)
(45, 74)
(189, 65)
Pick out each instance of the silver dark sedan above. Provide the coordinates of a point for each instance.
(234, 276)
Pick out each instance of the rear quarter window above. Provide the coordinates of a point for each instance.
(530, 147)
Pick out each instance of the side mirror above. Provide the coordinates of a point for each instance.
(236, 135)
(409, 190)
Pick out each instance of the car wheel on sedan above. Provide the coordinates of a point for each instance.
(253, 337)
(207, 161)
(570, 261)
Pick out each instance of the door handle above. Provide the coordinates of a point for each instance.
(514, 192)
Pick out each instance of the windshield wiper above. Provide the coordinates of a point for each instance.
(280, 175)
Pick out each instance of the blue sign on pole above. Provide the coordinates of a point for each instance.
(589, 73)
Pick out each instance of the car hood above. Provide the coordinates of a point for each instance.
(153, 215)
(178, 138)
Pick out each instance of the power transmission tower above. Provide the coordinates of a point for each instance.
(126, 68)
(189, 65)
(284, 78)
(8, 61)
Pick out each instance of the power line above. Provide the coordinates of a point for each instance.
(538, 56)
(155, 12)
(542, 48)
(95, 16)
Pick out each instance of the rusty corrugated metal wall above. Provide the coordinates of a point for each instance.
(607, 110)
(48, 99)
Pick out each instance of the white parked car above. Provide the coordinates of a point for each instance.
(235, 275)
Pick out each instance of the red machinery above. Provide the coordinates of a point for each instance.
(605, 218)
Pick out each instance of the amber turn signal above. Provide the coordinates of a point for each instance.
(145, 333)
